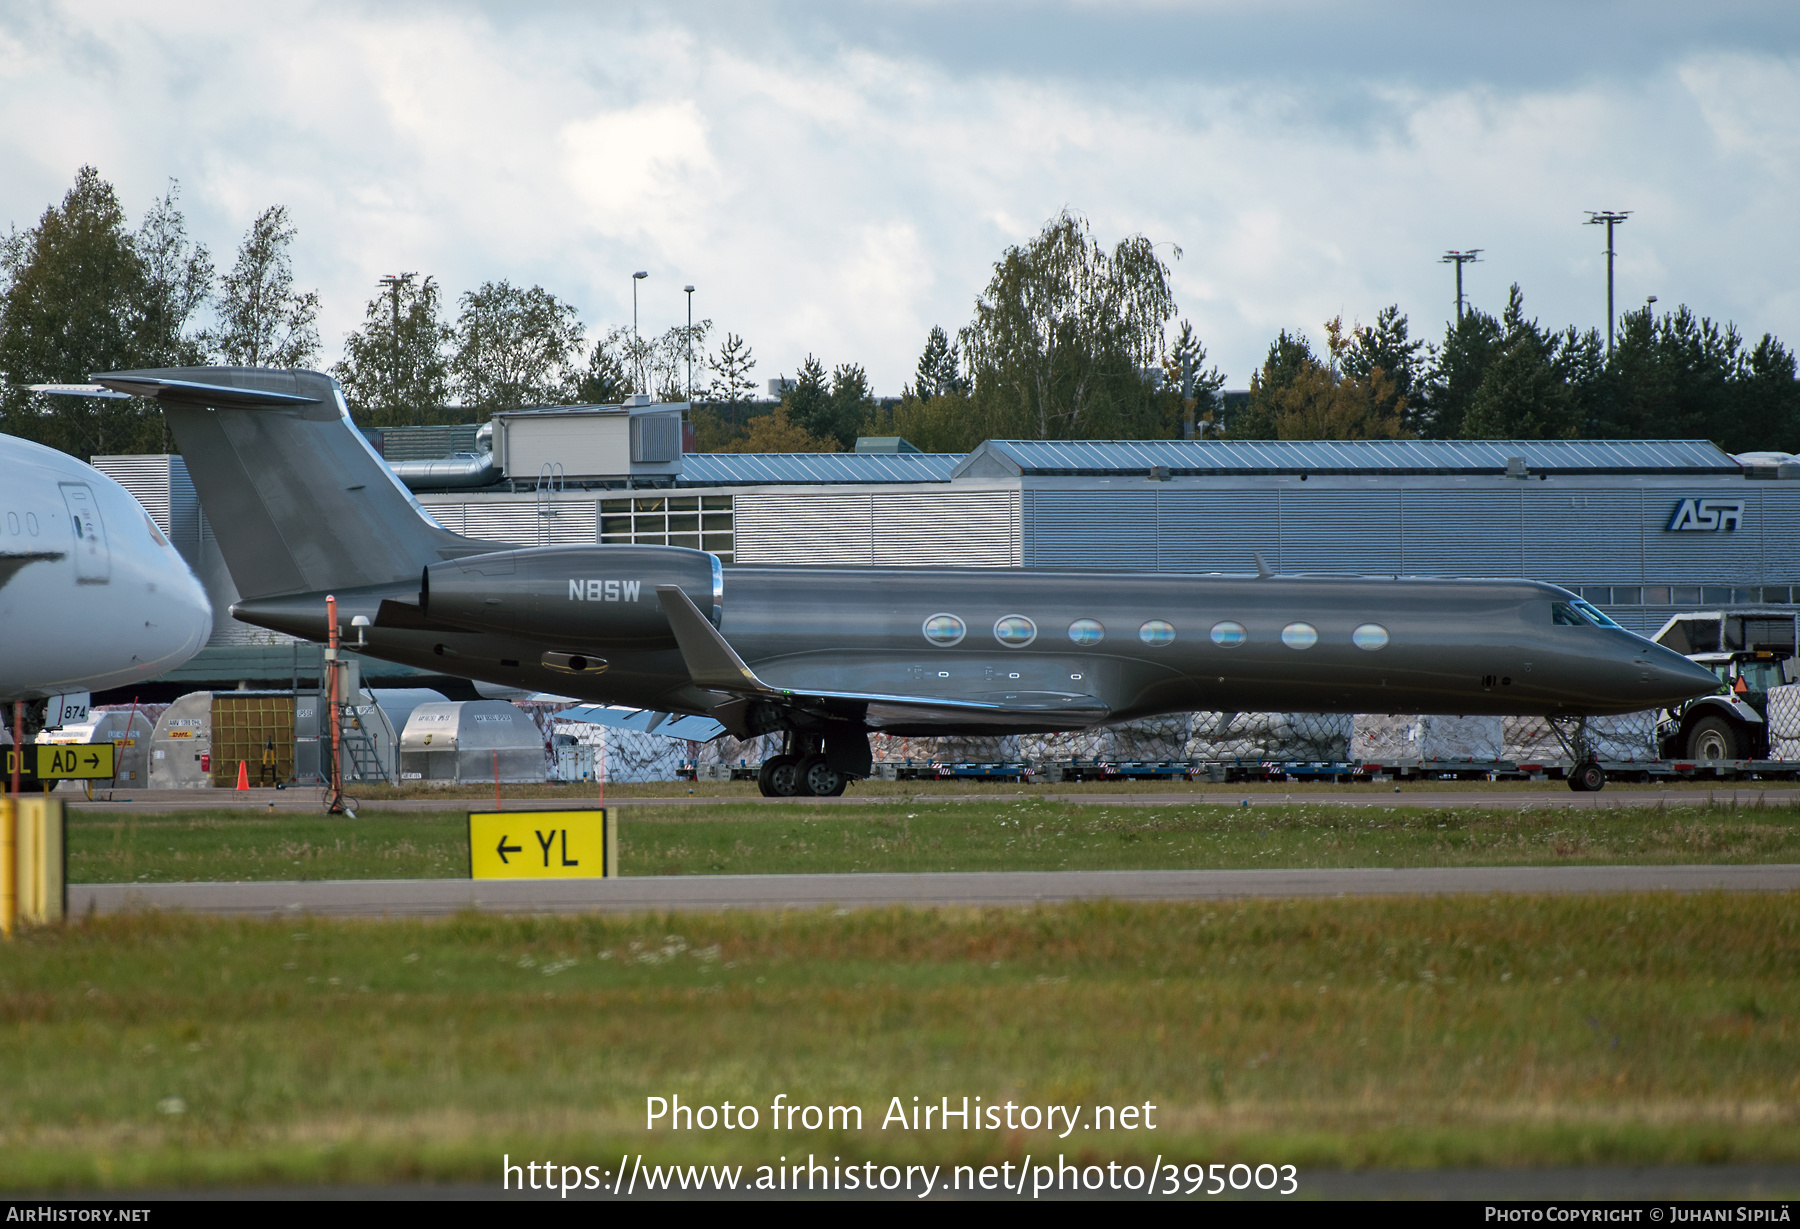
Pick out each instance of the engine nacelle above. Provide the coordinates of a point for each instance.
(572, 595)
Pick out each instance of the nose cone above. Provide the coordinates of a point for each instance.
(1675, 678)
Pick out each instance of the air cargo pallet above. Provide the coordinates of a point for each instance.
(1337, 772)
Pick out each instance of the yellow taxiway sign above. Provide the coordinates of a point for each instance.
(542, 845)
(64, 761)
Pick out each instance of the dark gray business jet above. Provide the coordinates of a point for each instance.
(303, 507)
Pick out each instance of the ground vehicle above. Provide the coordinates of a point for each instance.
(1751, 650)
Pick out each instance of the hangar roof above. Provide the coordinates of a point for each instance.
(1013, 458)
(807, 468)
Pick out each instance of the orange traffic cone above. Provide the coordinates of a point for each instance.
(243, 775)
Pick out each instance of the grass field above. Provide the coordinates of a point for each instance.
(927, 836)
(148, 1050)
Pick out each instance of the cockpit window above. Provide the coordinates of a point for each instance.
(1578, 614)
(1592, 614)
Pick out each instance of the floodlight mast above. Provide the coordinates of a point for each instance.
(393, 282)
(690, 342)
(1611, 218)
(637, 348)
(1459, 259)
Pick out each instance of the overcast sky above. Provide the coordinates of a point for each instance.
(838, 177)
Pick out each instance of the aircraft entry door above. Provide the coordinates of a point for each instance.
(93, 564)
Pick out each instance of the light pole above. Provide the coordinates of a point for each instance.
(1459, 259)
(690, 343)
(1610, 218)
(637, 346)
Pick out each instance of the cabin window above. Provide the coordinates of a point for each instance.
(1014, 631)
(1229, 634)
(944, 629)
(1157, 633)
(1087, 631)
(1370, 636)
(1299, 635)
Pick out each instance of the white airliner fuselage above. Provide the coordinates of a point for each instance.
(92, 595)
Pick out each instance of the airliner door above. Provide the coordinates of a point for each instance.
(93, 563)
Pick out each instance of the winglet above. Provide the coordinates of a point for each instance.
(712, 663)
(1263, 570)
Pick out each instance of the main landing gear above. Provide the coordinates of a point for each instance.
(801, 771)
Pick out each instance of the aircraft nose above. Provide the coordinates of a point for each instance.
(1679, 678)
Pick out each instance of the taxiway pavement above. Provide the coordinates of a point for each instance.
(653, 893)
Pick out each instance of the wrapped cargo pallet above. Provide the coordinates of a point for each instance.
(1784, 722)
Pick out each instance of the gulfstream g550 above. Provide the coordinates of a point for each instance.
(303, 507)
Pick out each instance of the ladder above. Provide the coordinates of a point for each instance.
(361, 762)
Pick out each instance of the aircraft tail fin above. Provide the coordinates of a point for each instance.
(299, 501)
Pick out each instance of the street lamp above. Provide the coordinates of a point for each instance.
(690, 343)
(637, 347)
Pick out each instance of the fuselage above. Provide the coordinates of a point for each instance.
(1054, 650)
(92, 595)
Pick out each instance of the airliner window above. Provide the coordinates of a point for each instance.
(1370, 636)
(1299, 635)
(1087, 631)
(1229, 634)
(1156, 633)
(944, 629)
(1593, 615)
(1014, 631)
(1563, 615)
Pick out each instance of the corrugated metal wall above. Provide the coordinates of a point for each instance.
(523, 522)
(942, 527)
(1566, 535)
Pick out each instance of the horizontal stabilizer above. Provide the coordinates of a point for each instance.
(221, 396)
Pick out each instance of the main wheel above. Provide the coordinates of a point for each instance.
(1712, 738)
(820, 779)
(1587, 778)
(779, 777)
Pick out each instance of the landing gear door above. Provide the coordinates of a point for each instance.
(93, 563)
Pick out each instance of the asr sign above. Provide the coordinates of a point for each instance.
(64, 761)
(542, 845)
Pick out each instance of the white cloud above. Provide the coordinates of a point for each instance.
(840, 192)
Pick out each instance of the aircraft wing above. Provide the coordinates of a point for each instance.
(715, 666)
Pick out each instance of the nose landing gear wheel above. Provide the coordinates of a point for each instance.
(819, 779)
(1587, 778)
(780, 777)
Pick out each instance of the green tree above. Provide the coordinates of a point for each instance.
(731, 368)
(1298, 397)
(1064, 333)
(668, 358)
(940, 368)
(1454, 373)
(514, 347)
(177, 286)
(395, 370)
(808, 400)
(74, 303)
(1385, 346)
(1195, 388)
(606, 379)
(1526, 391)
(1290, 356)
(1767, 413)
(263, 320)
